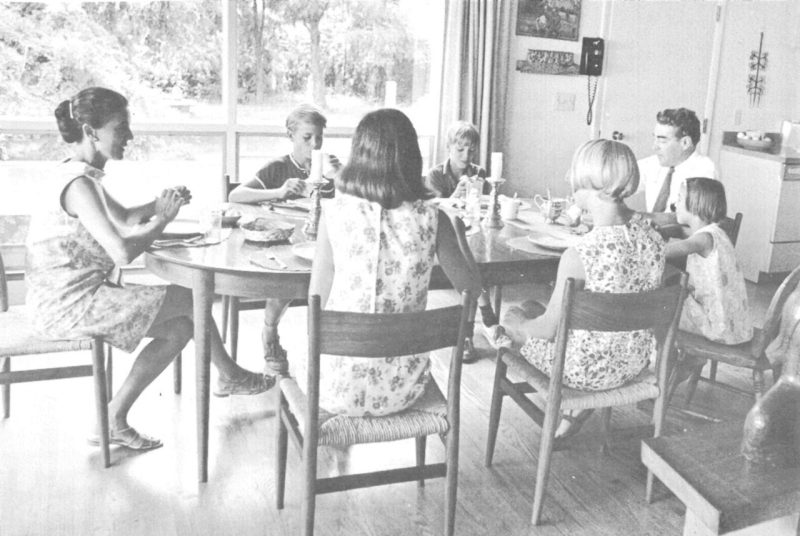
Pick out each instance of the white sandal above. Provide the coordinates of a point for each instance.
(496, 336)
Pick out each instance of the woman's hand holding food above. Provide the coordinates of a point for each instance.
(184, 192)
(168, 204)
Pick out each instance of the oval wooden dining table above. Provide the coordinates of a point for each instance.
(235, 267)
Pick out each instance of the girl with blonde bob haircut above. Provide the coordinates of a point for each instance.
(606, 166)
(622, 253)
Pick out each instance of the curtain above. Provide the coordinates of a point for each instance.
(475, 72)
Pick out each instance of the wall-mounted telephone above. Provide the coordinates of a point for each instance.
(592, 56)
(592, 53)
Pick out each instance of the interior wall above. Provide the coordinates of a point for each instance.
(540, 138)
(743, 26)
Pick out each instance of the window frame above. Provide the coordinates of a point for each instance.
(230, 129)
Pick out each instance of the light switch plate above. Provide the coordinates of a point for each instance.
(565, 102)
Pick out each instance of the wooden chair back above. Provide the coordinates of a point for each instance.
(384, 335)
(3, 287)
(229, 186)
(381, 335)
(658, 310)
(731, 226)
(455, 255)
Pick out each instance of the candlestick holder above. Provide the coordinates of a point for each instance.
(493, 219)
(312, 220)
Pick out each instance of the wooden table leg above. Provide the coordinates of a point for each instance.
(202, 294)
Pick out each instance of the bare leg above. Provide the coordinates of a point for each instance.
(274, 354)
(171, 330)
(169, 338)
(515, 316)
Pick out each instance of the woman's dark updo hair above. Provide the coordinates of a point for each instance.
(385, 163)
(93, 106)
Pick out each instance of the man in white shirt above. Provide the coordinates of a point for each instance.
(675, 139)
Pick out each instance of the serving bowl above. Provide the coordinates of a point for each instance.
(266, 230)
(749, 143)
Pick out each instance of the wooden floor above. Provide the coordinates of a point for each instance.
(52, 481)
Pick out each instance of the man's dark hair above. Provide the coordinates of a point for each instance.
(684, 120)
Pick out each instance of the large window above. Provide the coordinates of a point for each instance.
(210, 82)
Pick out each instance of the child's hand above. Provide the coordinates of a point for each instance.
(461, 188)
(292, 187)
(332, 167)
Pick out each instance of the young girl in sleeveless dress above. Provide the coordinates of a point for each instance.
(377, 242)
(716, 306)
(622, 253)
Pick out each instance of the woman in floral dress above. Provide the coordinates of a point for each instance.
(622, 253)
(375, 250)
(79, 233)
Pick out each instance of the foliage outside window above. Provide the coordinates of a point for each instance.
(347, 56)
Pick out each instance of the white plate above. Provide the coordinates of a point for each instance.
(549, 242)
(181, 229)
(303, 202)
(305, 250)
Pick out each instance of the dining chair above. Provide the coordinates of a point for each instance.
(18, 340)
(232, 305)
(749, 355)
(658, 310)
(332, 333)
(731, 226)
(462, 273)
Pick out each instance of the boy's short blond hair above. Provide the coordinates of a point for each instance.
(463, 130)
(606, 166)
(305, 113)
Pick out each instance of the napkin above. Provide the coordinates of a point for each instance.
(195, 242)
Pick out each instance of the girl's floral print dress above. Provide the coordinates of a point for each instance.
(616, 258)
(383, 261)
(717, 304)
(68, 271)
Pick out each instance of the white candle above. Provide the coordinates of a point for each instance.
(390, 99)
(497, 165)
(316, 165)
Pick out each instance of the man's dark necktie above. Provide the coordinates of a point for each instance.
(663, 195)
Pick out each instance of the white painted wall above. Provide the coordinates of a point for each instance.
(540, 140)
(745, 21)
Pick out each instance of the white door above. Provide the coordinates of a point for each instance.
(658, 55)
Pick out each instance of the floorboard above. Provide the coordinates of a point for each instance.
(52, 481)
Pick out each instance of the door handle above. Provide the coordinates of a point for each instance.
(617, 135)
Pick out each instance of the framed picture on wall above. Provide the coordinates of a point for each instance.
(553, 19)
(548, 62)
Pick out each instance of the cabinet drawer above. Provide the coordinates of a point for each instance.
(787, 222)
